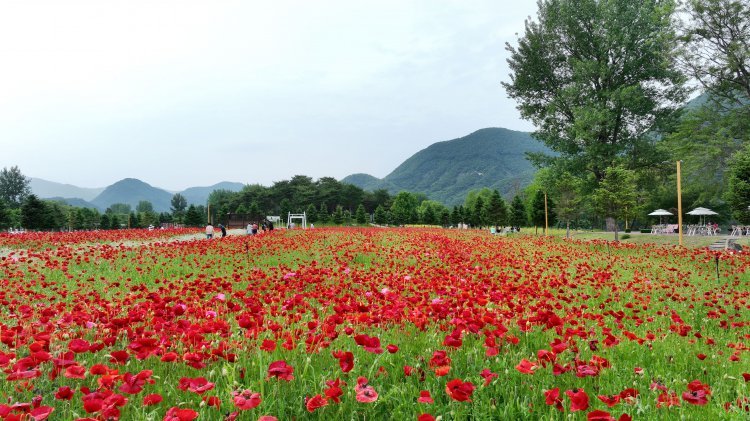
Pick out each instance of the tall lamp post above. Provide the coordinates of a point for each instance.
(679, 202)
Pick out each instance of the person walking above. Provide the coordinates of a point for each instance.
(209, 231)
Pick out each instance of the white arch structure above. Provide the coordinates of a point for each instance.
(302, 217)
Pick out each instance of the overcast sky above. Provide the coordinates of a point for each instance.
(186, 93)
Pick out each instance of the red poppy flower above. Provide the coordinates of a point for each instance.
(459, 390)
(610, 401)
(346, 360)
(599, 415)
(365, 392)
(369, 343)
(697, 393)
(118, 357)
(268, 345)
(392, 348)
(41, 413)
(197, 385)
(152, 399)
(246, 399)
(281, 370)
(98, 369)
(526, 366)
(316, 402)
(667, 399)
(440, 362)
(179, 414)
(334, 391)
(79, 346)
(212, 401)
(629, 394)
(425, 397)
(487, 375)
(552, 397)
(64, 393)
(579, 400)
(425, 417)
(75, 372)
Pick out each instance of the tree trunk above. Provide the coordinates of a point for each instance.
(612, 226)
(567, 229)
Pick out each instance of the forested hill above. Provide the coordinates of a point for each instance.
(446, 171)
(131, 191)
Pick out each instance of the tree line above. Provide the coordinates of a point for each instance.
(325, 200)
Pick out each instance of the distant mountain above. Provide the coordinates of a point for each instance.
(199, 195)
(74, 201)
(132, 191)
(46, 189)
(129, 190)
(446, 171)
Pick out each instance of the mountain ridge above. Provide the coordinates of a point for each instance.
(447, 170)
(127, 190)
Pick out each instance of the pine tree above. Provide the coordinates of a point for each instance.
(518, 216)
(193, 217)
(360, 215)
(338, 215)
(312, 213)
(33, 213)
(323, 215)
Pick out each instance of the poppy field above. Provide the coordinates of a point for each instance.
(347, 323)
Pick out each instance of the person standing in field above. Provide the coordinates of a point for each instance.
(223, 230)
(209, 231)
(255, 229)
(249, 228)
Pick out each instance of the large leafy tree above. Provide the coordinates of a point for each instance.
(705, 140)
(738, 192)
(596, 77)
(717, 50)
(14, 186)
(380, 215)
(404, 208)
(179, 205)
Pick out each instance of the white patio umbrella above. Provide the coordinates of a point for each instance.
(701, 212)
(660, 213)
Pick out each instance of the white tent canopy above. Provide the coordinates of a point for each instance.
(702, 212)
(660, 212)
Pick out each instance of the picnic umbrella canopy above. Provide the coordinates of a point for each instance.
(660, 213)
(701, 212)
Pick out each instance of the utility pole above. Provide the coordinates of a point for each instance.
(545, 214)
(679, 201)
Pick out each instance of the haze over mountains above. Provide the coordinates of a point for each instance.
(445, 171)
